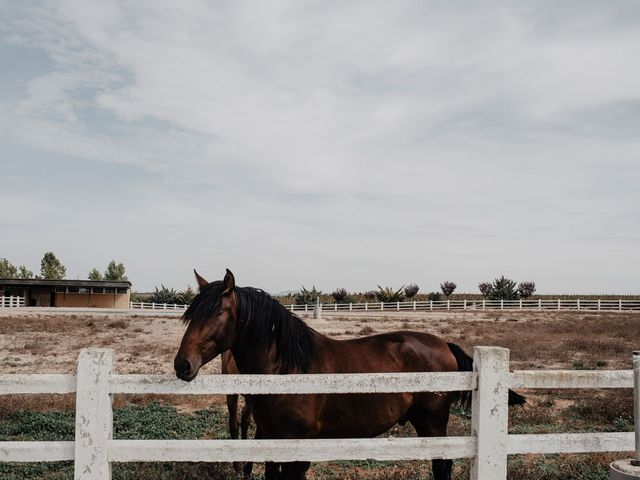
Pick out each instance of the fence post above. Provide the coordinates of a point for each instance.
(366, 306)
(490, 413)
(397, 305)
(350, 306)
(414, 305)
(464, 306)
(520, 304)
(620, 304)
(599, 306)
(381, 305)
(578, 303)
(558, 304)
(484, 301)
(431, 305)
(539, 304)
(636, 405)
(448, 304)
(502, 304)
(94, 417)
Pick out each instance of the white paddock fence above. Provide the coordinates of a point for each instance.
(10, 302)
(156, 306)
(488, 446)
(433, 305)
(426, 306)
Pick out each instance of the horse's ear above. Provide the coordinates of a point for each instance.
(201, 281)
(229, 283)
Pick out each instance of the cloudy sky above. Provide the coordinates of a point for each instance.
(336, 144)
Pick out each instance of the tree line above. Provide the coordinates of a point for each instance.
(51, 268)
(500, 289)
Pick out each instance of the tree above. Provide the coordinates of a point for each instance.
(95, 275)
(526, 289)
(51, 268)
(369, 294)
(115, 272)
(447, 288)
(7, 269)
(411, 290)
(24, 272)
(186, 296)
(485, 289)
(503, 289)
(388, 294)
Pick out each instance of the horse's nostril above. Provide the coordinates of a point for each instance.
(186, 367)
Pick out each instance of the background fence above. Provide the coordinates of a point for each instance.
(488, 445)
(11, 302)
(420, 306)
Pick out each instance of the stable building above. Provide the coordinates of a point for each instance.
(67, 293)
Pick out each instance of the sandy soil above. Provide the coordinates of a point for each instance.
(31, 342)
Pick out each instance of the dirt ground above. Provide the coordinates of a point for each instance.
(49, 343)
(33, 342)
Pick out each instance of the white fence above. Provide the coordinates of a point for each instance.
(489, 444)
(156, 306)
(428, 305)
(10, 302)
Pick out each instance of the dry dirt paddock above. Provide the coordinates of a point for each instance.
(34, 342)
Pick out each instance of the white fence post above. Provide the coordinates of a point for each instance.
(636, 406)
(94, 417)
(414, 305)
(490, 413)
(484, 303)
(559, 304)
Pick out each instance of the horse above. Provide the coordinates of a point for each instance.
(266, 338)
(229, 367)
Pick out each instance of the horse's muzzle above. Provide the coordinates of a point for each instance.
(184, 369)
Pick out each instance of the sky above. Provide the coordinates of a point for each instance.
(337, 144)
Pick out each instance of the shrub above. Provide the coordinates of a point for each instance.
(369, 295)
(503, 289)
(342, 296)
(485, 289)
(411, 290)
(447, 288)
(164, 295)
(526, 289)
(307, 297)
(388, 294)
(187, 295)
(434, 296)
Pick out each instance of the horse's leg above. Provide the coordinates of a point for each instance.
(272, 471)
(245, 418)
(295, 470)
(232, 406)
(433, 423)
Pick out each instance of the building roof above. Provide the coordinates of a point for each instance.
(43, 282)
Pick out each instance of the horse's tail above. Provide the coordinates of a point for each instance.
(465, 364)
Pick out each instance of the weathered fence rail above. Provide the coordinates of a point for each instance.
(94, 449)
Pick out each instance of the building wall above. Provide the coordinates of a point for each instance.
(92, 300)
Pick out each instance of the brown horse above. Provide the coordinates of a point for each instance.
(266, 338)
(229, 367)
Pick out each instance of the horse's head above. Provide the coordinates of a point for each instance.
(212, 326)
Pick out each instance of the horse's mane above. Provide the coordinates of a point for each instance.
(263, 322)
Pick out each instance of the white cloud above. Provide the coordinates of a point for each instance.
(403, 127)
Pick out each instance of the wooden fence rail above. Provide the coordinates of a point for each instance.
(488, 446)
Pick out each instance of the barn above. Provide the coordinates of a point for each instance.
(67, 293)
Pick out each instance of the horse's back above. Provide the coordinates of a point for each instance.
(400, 351)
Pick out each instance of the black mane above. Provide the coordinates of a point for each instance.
(263, 321)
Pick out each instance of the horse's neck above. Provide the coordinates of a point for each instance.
(250, 360)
